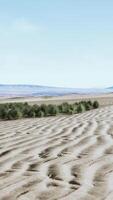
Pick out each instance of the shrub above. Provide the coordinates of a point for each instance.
(80, 108)
(19, 110)
(87, 106)
(36, 109)
(95, 104)
(13, 113)
(44, 109)
(75, 106)
(64, 108)
(40, 114)
(26, 111)
(3, 111)
(53, 110)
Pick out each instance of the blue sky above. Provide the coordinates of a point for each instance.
(65, 43)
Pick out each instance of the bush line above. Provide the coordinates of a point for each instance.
(11, 111)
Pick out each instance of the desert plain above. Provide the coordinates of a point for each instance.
(58, 158)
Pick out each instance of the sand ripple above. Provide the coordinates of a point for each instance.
(66, 157)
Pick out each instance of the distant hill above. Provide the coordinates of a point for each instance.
(110, 88)
(37, 90)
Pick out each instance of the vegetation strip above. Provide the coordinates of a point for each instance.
(10, 111)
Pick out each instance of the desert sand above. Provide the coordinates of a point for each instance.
(58, 158)
(103, 99)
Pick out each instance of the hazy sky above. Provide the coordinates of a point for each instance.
(57, 42)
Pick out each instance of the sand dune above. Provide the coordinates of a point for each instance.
(64, 157)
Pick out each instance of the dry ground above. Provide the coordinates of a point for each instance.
(58, 158)
(104, 99)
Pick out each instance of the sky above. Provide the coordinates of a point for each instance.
(66, 43)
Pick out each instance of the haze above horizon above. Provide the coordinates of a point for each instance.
(56, 43)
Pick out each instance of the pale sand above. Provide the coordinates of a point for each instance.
(104, 99)
(58, 158)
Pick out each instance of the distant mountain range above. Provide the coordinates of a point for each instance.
(37, 90)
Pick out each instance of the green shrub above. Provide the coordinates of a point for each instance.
(36, 109)
(53, 110)
(95, 104)
(44, 109)
(3, 111)
(80, 108)
(64, 108)
(24, 110)
(13, 113)
(40, 114)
